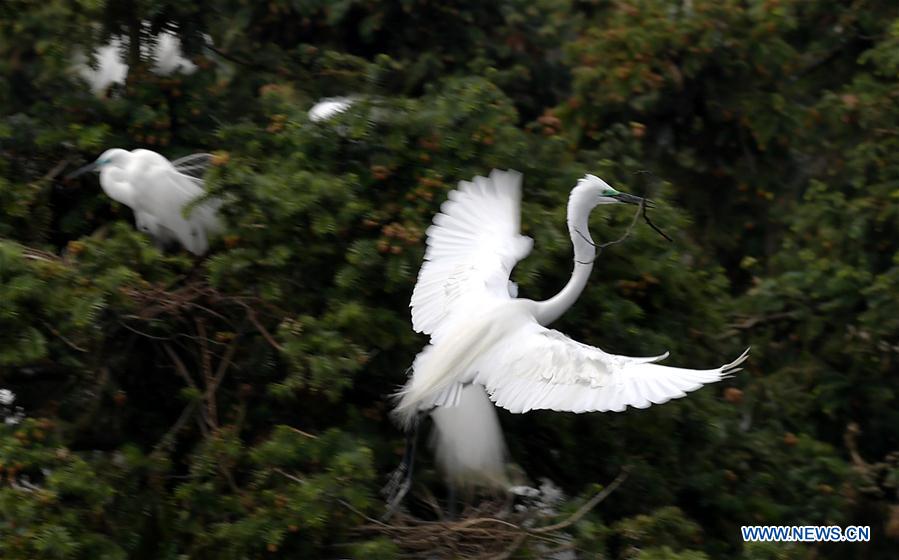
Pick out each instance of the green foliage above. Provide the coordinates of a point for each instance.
(666, 527)
(236, 406)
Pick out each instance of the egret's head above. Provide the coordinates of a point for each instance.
(592, 191)
(111, 157)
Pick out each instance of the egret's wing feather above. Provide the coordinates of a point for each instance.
(168, 191)
(544, 369)
(329, 107)
(194, 165)
(473, 245)
(191, 189)
(167, 194)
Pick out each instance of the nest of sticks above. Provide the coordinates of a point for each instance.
(487, 530)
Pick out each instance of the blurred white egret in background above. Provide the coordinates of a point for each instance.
(488, 345)
(375, 109)
(165, 52)
(9, 413)
(109, 67)
(328, 107)
(158, 190)
(167, 56)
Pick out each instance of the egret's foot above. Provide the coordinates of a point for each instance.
(395, 490)
(400, 480)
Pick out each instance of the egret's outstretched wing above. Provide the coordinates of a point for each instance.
(544, 369)
(473, 245)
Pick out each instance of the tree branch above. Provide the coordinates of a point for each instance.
(592, 503)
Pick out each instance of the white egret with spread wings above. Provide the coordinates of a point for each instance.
(159, 192)
(486, 343)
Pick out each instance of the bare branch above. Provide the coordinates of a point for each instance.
(168, 438)
(302, 433)
(591, 503)
(60, 336)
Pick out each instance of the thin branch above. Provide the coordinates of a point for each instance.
(254, 318)
(57, 169)
(210, 311)
(204, 349)
(222, 369)
(231, 57)
(206, 362)
(180, 367)
(38, 255)
(204, 422)
(230, 479)
(166, 441)
(60, 336)
(289, 476)
(224, 362)
(371, 520)
(850, 438)
(652, 225)
(302, 433)
(262, 330)
(584, 509)
(600, 246)
(516, 544)
(480, 520)
(145, 335)
(431, 502)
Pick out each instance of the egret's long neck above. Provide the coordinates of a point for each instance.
(112, 179)
(584, 254)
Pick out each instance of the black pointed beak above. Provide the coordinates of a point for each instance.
(82, 170)
(631, 199)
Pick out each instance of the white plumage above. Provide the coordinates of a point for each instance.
(168, 58)
(485, 339)
(109, 68)
(465, 458)
(540, 368)
(159, 191)
(472, 248)
(329, 107)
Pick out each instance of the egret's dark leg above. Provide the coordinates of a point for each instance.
(401, 479)
(159, 243)
(451, 499)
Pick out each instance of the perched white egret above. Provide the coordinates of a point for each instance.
(488, 345)
(158, 190)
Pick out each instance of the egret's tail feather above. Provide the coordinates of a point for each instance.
(468, 440)
(409, 409)
(437, 369)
